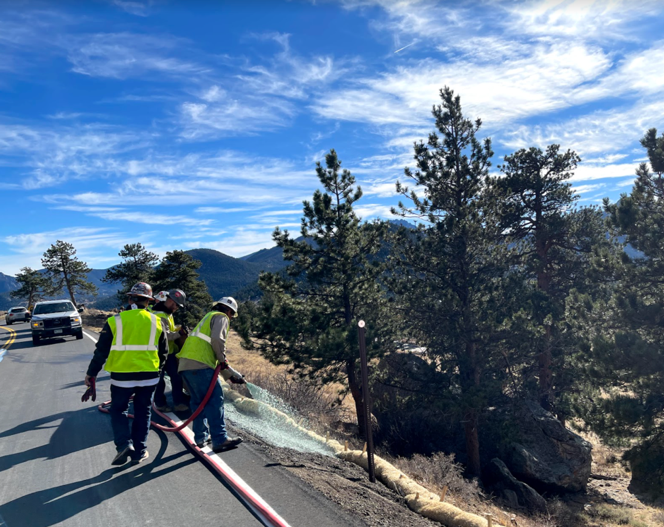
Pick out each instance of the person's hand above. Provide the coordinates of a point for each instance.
(88, 380)
(236, 377)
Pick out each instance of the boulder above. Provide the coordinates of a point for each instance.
(646, 462)
(514, 492)
(545, 454)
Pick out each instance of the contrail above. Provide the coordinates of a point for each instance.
(413, 42)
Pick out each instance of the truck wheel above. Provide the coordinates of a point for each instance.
(79, 335)
(7, 322)
(35, 340)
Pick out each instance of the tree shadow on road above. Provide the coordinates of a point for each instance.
(48, 507)
(77, 431)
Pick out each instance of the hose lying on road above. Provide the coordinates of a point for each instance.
(103, 407)
(267, 515)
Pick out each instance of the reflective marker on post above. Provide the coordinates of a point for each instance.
(361, 331)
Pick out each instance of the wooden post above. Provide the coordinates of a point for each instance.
(345, 446)
(444, 493)
(365, 448)
(366, 400)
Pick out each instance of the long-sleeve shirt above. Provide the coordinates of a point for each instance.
(218, 334)
(139, 378)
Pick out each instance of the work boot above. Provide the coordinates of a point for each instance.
(230, 442)
(123, 455)
(205, 441)
(164, 408)
(181, 407)
(144, 456)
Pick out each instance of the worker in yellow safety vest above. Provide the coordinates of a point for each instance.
(203, 350)
(168, 302)
(133, 345)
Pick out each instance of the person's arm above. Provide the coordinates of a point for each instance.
(163, 350)
(170, 335)
(218, 335)
(102, 350)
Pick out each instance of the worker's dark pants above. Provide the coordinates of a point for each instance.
(141, 423)
(212, 416)
(171, 368)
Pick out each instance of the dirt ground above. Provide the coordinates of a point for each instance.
(347, 485)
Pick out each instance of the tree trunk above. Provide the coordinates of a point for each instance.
(470, 382)
(356, 392)
(545, 373)
(470, 426)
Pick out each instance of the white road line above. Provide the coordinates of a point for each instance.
(91, 338)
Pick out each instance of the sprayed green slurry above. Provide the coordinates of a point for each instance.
(275, 427)
(262, 395)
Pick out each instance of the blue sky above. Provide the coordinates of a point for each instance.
(198, 124)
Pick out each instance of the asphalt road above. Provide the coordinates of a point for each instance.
(55, 455)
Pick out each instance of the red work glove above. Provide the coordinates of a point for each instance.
(91, 392)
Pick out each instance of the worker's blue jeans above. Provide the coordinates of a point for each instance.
(212, 416)
(170, 368)
(141, 423)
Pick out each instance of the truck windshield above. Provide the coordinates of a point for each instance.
(57, 307)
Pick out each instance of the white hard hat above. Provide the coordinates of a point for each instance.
(228, 301)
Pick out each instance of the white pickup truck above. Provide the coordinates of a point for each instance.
(55, 318)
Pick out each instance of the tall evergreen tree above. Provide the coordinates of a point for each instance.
(65, 271)
(33, 285)
(308, 318)
(629, 353)
(178, 270)
(553, 242)
(137, 266)
(448, 273)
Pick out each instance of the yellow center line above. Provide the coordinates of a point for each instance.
(12, 337)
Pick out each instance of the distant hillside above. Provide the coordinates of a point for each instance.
(224, 275)
(7, 283)
(268, 259)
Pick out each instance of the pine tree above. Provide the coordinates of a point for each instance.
(137, 266)
(308, 317)
(65, 270)
(629, 354)
(177, 270)
(33, 286)
(448, 274)
(552, 242)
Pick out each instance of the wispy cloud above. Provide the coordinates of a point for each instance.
(134, 8)
(124, 55)
(92, 245)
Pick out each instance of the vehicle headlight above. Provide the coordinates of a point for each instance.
(75, 320)
(37, 323)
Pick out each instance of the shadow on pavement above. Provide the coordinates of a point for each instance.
(77, 431)
(79, 384)
(52, 506)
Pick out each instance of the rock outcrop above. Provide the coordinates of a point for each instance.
(515, 493)
(545, 454)
(647, 465)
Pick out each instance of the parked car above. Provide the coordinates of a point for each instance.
(17, 314)
(55, 318)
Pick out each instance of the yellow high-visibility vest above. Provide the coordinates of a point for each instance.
(172, 346)
(135, 346)
(198, 345)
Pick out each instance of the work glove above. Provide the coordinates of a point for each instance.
(184, 331)
(229, 374)
(91, 392)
